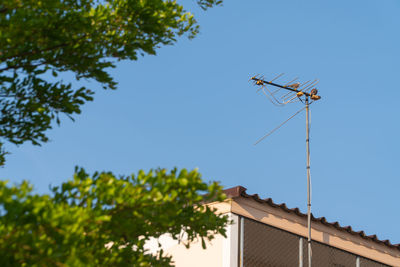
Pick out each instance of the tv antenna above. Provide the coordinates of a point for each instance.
(282, 94)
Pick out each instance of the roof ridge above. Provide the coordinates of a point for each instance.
(240, 191)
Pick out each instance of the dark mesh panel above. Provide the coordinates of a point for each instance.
(370, 263)
(267, 246)
(323, 255)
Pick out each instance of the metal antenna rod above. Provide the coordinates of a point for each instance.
(279, 126)
(308, 181)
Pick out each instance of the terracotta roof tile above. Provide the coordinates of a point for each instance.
(240, 191)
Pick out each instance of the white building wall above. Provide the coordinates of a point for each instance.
(230, 249)
(220, 252)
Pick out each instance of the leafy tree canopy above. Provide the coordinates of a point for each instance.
(104, 220)
(43, 38)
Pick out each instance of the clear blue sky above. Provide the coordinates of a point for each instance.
(192, 106)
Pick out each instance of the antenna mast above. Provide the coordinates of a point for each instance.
(293, 92)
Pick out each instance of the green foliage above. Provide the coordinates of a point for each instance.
(41, 38)
(98, 220)
(104, 220)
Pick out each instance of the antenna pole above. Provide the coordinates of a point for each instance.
(308, 180)
(296, 92)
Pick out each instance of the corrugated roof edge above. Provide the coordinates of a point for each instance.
(240, 191)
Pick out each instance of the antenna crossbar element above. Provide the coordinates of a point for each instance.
(260, 81)
(291, 81)
(311, 85)
(294, 91)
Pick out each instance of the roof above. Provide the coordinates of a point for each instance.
(240, 191)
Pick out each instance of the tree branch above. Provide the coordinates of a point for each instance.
(34, 52)
(22, 66)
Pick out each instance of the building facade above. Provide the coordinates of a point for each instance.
(267, 234)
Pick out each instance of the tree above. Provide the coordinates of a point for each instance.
(41, 39)
(103, 220)
(98, 220)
